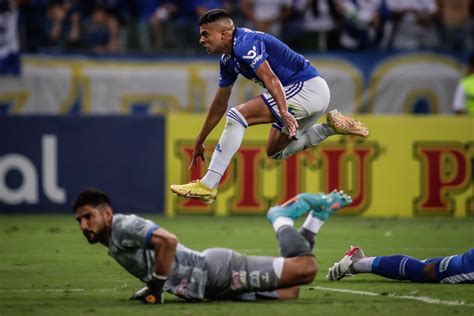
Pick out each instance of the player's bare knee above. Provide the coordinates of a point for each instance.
(308, 269)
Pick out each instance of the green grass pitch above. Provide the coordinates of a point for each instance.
(48, 268)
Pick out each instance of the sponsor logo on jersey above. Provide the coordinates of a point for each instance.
(443, 265)
(235, 281)
(259, 57)
(239, 280)
(251, 54)
(243, 277)
(225, 58)
(182, 290)
(129, 243)
(254, 278)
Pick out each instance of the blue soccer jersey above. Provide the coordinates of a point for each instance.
(251, 48)
(455, 269)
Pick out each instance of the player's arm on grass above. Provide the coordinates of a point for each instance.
(216, 111)
(164, 244)
(275, 88)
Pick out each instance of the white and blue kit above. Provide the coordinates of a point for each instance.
(215, 273)
(451, 269)
(307, 93)
(251, 48)
(454, 269)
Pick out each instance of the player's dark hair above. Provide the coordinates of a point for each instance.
(92, 197)
(213, 16)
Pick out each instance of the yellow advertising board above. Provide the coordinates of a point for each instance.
(408, 166)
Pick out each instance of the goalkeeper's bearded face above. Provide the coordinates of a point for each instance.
(92, 223)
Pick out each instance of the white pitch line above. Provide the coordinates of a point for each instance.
(61, 290)
(424, 299)
(41, 290)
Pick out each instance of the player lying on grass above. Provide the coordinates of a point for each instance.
(154, 255)
(451, 269)
(295, 97)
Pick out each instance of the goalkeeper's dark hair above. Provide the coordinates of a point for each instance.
(213, 16)
(92, 197)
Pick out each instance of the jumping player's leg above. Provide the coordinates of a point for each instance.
(280, 147)
(307, 103)
(252, 112)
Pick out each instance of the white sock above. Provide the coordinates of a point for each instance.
(363, 265)
(320, 132)
(228, 145)
(211, 178)
(312, 224)
(282, 221)
(312, 137)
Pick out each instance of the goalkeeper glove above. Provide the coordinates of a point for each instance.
(152, 293)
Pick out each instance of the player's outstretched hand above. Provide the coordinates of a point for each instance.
(197, 153)
(148, 296)
(291, 123)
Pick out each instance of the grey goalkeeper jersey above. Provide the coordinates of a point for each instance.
(129, 245)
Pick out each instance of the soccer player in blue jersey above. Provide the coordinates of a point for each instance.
(295, 97)
(154, 255)
(451, 269)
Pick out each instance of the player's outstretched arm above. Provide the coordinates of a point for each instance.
(216, 111)
(164, 244)
(275, 88)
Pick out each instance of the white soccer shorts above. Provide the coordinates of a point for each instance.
(307, 101)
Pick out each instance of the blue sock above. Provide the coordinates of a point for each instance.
(399, 267)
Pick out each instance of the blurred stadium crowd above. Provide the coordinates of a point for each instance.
(161, 26)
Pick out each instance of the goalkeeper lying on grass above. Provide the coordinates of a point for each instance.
(154, 255)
